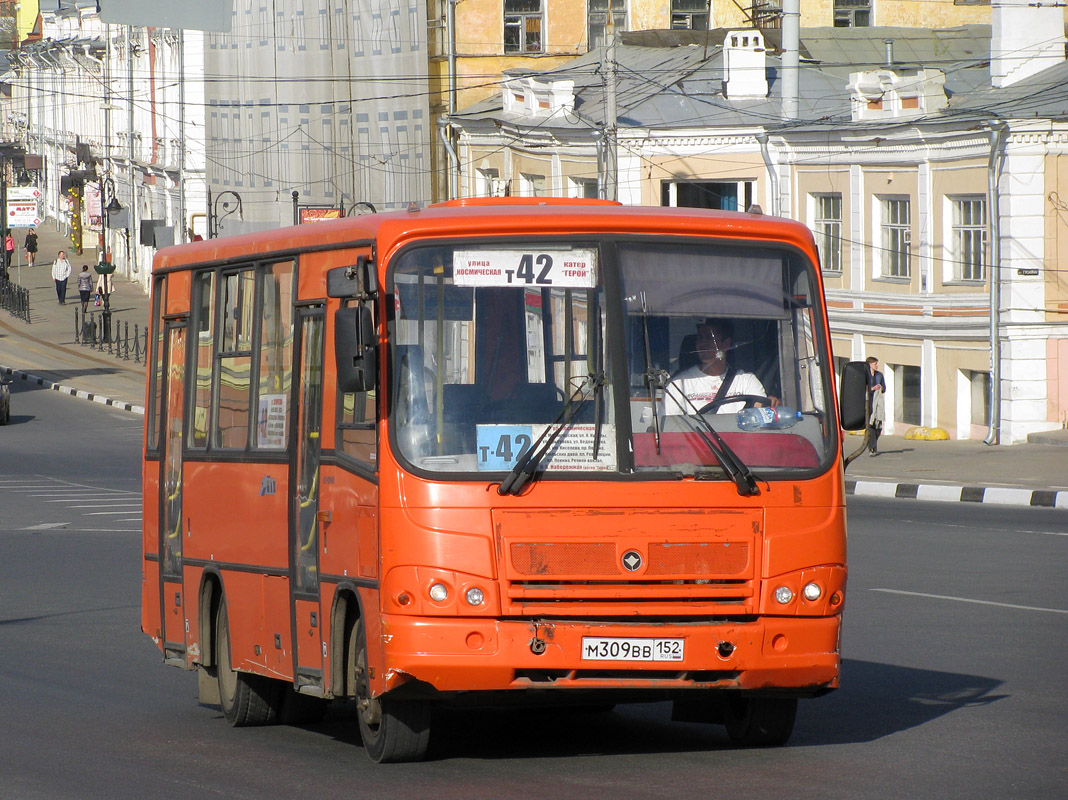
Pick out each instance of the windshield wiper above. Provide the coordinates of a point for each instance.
(735, 468)
(527, 464)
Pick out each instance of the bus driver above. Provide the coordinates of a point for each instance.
(712, 377)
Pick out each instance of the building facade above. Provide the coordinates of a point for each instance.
(933, 193)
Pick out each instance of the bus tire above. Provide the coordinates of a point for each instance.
(245, 699)
(760, 721)
(392, 730)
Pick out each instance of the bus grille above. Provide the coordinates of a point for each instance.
(584, 563)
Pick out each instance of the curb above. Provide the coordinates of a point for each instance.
(994, 495)
(69, 390)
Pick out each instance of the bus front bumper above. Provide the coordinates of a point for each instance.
(792, 654)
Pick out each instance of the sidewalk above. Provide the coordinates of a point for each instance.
(45, 352)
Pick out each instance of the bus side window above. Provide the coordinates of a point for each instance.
(234, 362)
(203, 327)
(155, 398)
(275, 356)
(357, 432)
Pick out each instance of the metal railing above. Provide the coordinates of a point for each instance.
(105, 333)
(15, 299)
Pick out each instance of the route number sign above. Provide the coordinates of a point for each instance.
(549, 269)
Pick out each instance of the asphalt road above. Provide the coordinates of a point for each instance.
(953, 683)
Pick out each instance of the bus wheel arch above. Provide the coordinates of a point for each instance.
(392, 729)
(246, 699)
(210, 597)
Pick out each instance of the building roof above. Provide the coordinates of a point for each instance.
(681, 85)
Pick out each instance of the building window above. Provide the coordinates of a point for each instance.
(488, 180)
(584, 187)
(852, 13)
(597, 20)
(969, 238)
(896, 238)
(522, 26)
(532, 185)
(689, 15)
(828, 229)
(732, 196)
(909, 407)
(979, 383)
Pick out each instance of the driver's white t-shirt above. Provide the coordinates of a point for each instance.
(701, 388)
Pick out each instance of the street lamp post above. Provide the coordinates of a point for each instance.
(105, 267)
(229, 206)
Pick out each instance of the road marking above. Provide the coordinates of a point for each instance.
(47, 526)
(105, 504)
(970, 600)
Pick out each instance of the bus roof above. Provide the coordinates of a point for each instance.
(486, 216)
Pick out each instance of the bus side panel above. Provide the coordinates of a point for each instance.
(349, 539)
(191, 579)
(237, 513)
(244, 604)
(150, 610)
(274, 632)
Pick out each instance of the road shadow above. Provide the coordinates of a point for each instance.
(877, 700)
(18, 419)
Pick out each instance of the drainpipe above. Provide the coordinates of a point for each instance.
(997, 134)
(773, 176)
(446, 132)
(454, 160)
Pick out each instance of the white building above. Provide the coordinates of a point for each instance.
(302, 106)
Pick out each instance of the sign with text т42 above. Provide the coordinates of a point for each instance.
(550, 269)
(23, 207)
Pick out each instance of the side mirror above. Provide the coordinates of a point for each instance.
(853, 396)
(355, 349)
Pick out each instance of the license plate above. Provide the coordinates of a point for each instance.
(621, 649)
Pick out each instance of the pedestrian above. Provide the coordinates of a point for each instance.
(877, 415)
(31, 247)
(85, 288)
(9, 249)
(60, 273)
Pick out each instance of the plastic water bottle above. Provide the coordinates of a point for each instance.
(768, 418)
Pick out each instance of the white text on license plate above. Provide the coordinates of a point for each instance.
(620, 649)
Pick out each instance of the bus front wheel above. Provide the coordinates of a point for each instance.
(246, 699)
(760, 721)
(392, 730)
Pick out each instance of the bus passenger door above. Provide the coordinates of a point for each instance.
(304, 504)
(172, 599)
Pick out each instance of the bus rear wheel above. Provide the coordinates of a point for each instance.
(392, 730)
(246, 699)
(760, 721)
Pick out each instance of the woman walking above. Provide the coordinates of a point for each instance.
(85, 288)
(31, 247)
(60, 273)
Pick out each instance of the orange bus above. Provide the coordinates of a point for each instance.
(498, 451)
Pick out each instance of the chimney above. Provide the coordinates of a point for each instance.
(1025, 38)
(743, 65)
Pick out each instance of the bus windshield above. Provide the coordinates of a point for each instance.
(503, 347)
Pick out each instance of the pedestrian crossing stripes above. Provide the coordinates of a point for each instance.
(50, 504)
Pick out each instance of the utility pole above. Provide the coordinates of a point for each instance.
(610, 183)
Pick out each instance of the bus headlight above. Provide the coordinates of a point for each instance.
(784, 595)
(812, 592)
(438, 592)
(474, 596)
